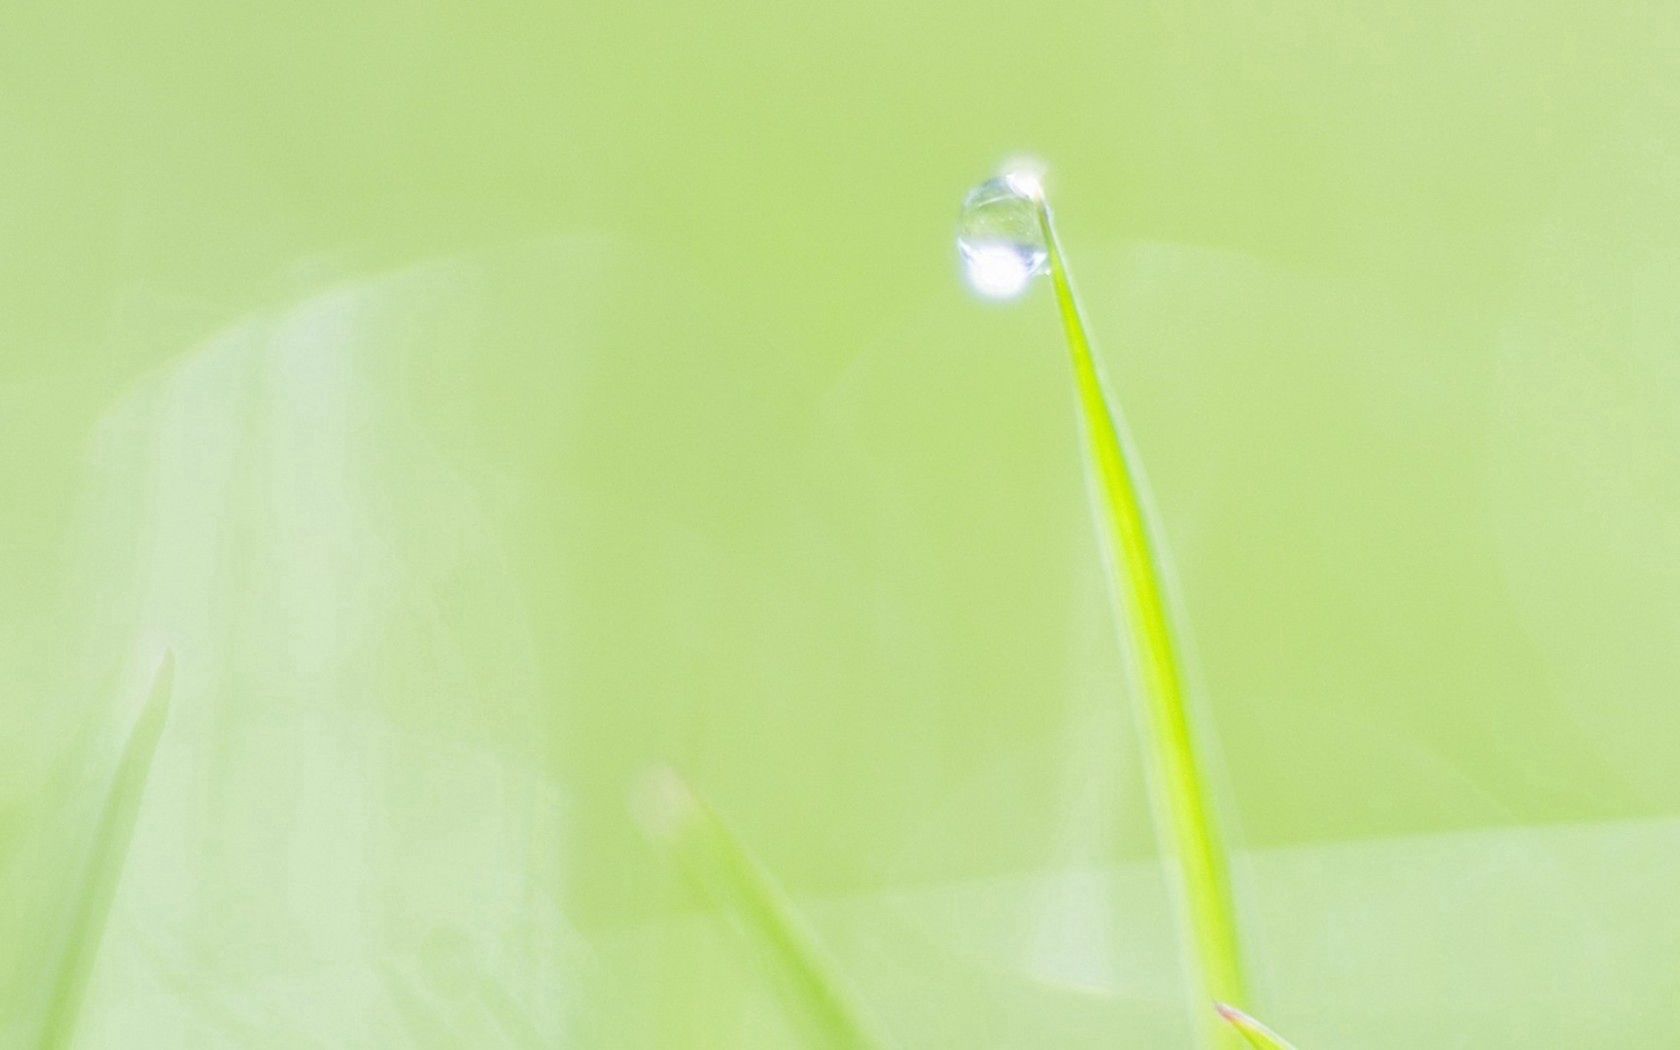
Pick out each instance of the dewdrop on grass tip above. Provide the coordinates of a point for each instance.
(999, 237)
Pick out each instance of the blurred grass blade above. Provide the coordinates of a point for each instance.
(1183, 813)
(703, 847)
(1257, 1034)
(72, 963)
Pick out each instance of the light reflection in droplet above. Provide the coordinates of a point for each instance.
(997, 271)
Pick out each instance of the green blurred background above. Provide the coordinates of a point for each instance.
(489, 402)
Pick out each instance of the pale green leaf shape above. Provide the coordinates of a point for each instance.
(71, 963)
(1257, 1034)
(678, 819)
(1184, 817)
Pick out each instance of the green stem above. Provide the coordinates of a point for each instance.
(1184, 817)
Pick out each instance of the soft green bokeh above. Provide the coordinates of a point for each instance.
(487, 402)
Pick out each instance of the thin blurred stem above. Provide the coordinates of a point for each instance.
(700, 844)
(72, 963)
(1184, 818)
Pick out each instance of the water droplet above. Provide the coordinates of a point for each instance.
(999, 236)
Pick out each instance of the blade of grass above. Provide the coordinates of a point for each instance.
(1257, 1034)
(1184, 818)
(708, 853)
(79, 947)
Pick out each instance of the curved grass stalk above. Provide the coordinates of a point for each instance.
(1184, 818)
(1256, 1034)
(709, 854)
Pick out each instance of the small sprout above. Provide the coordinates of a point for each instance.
(1257, 1034)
